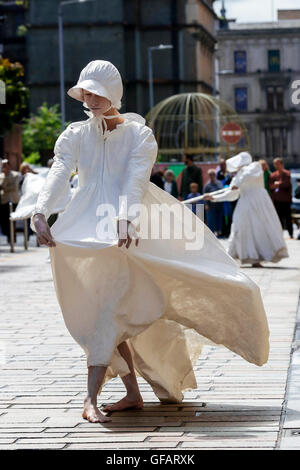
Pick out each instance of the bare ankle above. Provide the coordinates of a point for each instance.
(133, 394)
(90, 401)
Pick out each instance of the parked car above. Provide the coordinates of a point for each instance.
(295, 177)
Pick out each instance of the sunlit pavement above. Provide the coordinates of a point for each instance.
(43, 375)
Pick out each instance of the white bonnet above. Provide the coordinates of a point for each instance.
(239, 160)
(102, 78)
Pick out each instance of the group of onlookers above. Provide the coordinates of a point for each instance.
(218, 215)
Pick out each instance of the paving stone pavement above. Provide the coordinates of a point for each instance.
(237, 405)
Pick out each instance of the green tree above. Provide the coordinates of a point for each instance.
(41, 131)
(16, 94)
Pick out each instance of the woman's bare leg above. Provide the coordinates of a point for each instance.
(133, 398)
(91, 412)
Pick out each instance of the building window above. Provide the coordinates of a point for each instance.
(270, 98)
(276, 142)
(274, 60)
(240, 61)
(275, 98)
(241, 99)
(279, 98)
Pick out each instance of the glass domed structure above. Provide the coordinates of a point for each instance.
(192, 124)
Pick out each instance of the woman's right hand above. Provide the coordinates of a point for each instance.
(43, 230)
(208, 197)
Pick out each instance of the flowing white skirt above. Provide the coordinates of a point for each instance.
(164, 300)
(256, 232)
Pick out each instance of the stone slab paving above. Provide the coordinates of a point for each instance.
(290, 429)
(43, 375)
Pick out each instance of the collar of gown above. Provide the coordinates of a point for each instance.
(101, 118)
(98, 120)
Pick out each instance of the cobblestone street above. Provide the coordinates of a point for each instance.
(237, 405)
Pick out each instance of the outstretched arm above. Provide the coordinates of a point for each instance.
(229, 194)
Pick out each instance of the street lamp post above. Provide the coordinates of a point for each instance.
(61, 57)
(216, 92)
(150, 69)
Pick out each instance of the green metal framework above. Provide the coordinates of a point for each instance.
(190, 123)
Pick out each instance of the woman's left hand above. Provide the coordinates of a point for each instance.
(124, 237)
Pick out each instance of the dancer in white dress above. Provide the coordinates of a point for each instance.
(256, 233)
(142, 306)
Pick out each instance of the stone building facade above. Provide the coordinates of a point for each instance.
(121, 31)
(258, 63)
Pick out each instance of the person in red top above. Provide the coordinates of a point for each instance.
(281, 193)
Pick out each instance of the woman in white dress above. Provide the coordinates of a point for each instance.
(142, 306)
(256, 233)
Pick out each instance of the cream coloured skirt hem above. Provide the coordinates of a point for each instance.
(163, 299)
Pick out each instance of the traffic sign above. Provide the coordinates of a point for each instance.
(231, 133)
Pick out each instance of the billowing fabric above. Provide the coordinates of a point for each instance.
(162, 298)
(101, 78)
(235, 163)
(256, 233)
(31, 187)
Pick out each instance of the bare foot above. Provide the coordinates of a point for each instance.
(125, 404)
(93, 414)
(257, 265)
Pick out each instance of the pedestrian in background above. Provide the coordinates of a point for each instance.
(228, 206)
(281, 193)
(267, 174)
(214, 211)
(222, 174)
(157, 178)
(194, 193)
(9, 192)
(191, 174)
(170, 184)
(24, 169)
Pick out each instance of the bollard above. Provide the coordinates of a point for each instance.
(12, 229)
(25, 234)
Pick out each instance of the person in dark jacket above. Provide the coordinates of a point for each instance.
(191, 174)
(214, 211)
(228, 206)
(281, 194)
(170, 184)
(157, 178)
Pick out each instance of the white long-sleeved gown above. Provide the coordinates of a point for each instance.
(256, 232)
(160, 297)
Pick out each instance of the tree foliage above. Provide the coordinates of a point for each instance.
(16, 94)
(41, 131)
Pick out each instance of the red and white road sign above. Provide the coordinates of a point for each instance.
(231, 133)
